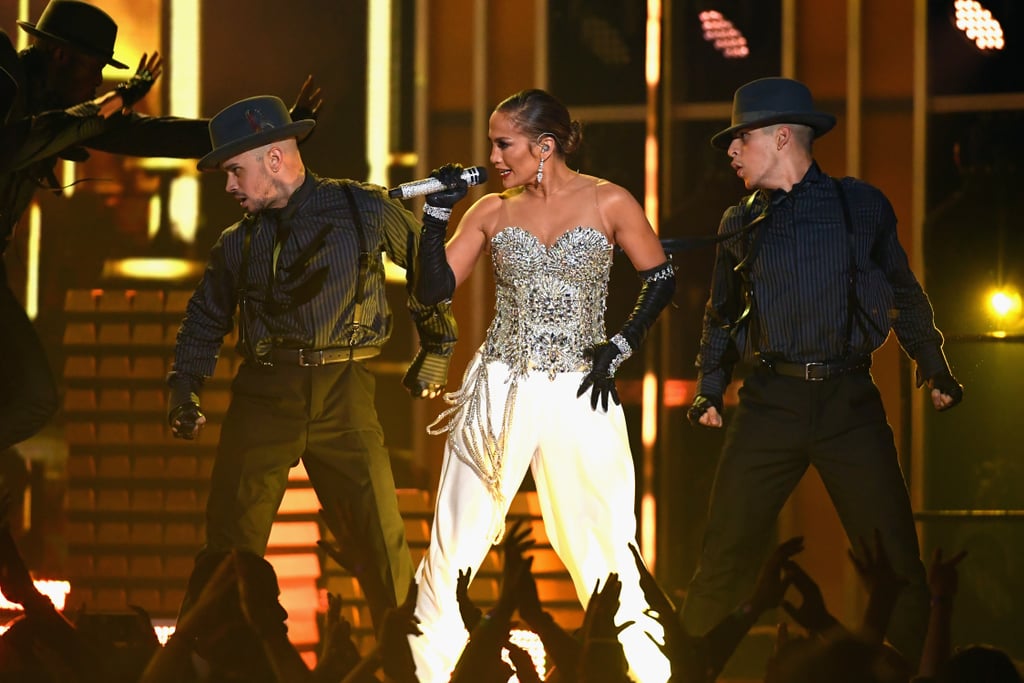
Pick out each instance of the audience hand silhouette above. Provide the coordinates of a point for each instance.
(603, 658)
(812, 614)
(471, 614)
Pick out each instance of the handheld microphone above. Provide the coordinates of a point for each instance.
(474, 175)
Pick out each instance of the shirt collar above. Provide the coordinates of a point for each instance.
(812, 177)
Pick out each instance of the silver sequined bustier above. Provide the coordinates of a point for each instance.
(549, 301)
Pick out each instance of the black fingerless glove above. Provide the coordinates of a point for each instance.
(435, 281)
(427, 374)
(136, 87)
(659, 284)
(700, 406)
(948, 385)
(183, 403)
(299, 113)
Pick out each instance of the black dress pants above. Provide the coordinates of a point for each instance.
(326, 417)
(781, 426)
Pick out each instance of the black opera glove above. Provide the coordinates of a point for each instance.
(659, 284)
(700, 406)
(948, 385)
(456, 188)
(427, 375)
(435, 281)
(606, 357)
(136, 87)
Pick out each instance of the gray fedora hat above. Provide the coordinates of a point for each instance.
(80, 25)
(767, 101)
(248, 124)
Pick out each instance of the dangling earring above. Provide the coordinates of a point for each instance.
(540, 171)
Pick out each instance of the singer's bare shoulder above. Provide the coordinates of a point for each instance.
(484, 214)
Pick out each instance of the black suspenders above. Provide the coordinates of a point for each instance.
(244, 339)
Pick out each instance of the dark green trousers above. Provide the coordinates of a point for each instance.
(781, 426)
(326, 417)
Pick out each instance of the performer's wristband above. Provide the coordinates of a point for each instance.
(438, 212)
(625, 351)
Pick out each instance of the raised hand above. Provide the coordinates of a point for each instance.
(680, 649)
(883, 585)
(811, 613)
(875, 570)
(771, 581)
(603, 657)
(653, 594)
(139, 85)
(338, 654)
(523, 663)
(400, 623)
(307, 102)
(352, 555)
(471, 614)
(943, 577)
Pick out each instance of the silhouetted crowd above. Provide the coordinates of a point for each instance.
(237, 629)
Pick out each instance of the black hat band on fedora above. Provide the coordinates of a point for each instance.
(768, 101)
(82, 26)
(248, 124)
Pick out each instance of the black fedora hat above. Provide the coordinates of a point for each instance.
(248, 124)
(80, 25)
(767, 101)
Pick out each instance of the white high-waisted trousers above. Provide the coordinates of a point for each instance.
(583, 469)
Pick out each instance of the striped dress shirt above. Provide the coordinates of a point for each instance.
(301, 279)
(799, 283)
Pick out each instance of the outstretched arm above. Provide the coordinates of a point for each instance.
(942, 582)
(771, 584)
(882, 583)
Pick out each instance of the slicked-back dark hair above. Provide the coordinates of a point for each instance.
(538, 113)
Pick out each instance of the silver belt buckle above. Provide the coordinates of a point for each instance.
(807, 372)
(315, 360)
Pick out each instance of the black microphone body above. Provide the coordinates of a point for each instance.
(474, 175)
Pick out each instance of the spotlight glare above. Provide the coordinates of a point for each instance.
(726, 38)
(978, 24)
(1005, 302)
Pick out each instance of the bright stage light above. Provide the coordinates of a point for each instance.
(726, 38)
(1005, 303)
(978, 24)
(56, 591)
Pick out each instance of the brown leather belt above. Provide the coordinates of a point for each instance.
(817, 372)
(313, 358)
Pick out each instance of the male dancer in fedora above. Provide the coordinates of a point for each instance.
(50, 111)
(807, 287)
(303, 272)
